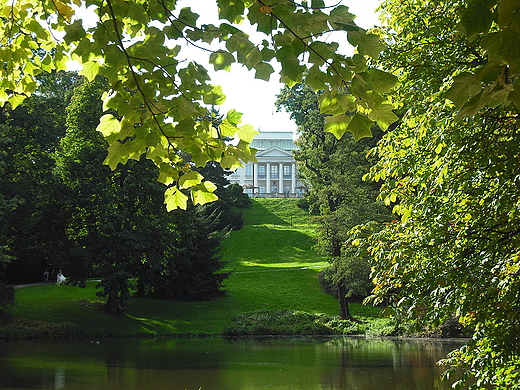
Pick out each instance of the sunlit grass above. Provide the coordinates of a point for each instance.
(273, 268)
(271, 247)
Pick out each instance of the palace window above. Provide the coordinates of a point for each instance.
(261, 171)
(274, 171)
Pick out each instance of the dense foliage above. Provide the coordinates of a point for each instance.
(451, 171)
(29, 137)
(65, 210)
(158, 92)
(28, 189)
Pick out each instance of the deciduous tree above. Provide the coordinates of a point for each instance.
(451, 171)
(333, 169)
(157, 92)
(30, 135)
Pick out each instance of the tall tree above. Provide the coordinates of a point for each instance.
(94, 225)
(451, 171)
(333, 170)
(157, 92)
(30, 135)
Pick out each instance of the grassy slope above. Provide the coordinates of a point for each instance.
(274, 268)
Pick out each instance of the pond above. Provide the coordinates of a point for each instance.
(223, 364)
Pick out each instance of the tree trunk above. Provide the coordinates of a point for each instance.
(112, 306)
(344, 310)
(140, 288)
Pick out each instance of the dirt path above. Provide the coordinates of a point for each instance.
(17, 286)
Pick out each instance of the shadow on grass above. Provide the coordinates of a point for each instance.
(275, 212)
(258, 214)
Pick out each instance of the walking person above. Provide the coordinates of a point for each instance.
(60, 279)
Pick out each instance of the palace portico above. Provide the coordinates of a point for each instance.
(275, 174)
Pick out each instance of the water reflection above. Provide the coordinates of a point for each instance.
(335, 364)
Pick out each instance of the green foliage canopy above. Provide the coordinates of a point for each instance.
(157, 95)
(450, 170)
(29, 137)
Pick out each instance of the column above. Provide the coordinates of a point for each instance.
(267, 178)
(293, 178)
(242, 174)
(280, 178)
(255, 178)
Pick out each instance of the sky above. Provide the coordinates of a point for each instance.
(254, 98)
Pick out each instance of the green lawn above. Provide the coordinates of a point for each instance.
(276, 212)
(273, 268)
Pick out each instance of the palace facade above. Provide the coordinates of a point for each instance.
(275, 174)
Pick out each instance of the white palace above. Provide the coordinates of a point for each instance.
(275, 174)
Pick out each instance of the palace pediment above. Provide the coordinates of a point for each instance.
(274, 152)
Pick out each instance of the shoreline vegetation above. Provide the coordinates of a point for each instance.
(273, 291)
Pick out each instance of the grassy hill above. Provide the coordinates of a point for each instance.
(280, 212)
(274, 268)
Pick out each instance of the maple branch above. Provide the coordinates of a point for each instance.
(305, 44)
(149, 104)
